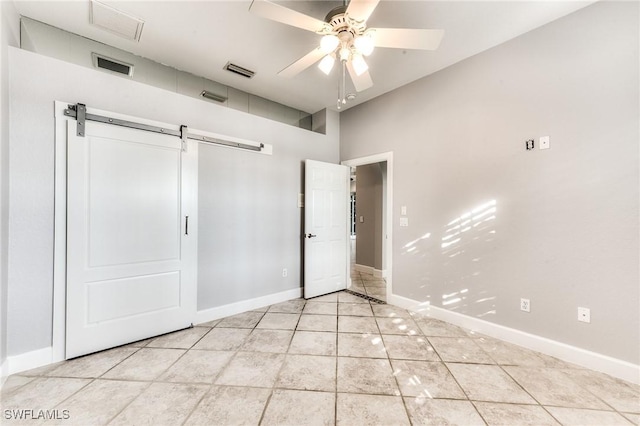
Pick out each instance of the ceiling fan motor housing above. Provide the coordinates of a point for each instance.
(341, 23)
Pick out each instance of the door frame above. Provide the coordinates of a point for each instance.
(387, 183)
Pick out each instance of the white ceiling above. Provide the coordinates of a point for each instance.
(201, 36)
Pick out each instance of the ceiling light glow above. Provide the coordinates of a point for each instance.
(359, 65)
(326, 64)
(364, 45)
(328, 43)
(344, 53)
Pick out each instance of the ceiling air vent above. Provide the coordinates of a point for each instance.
(236, 69)
(112, 65)
(115, 21)
(212, 96)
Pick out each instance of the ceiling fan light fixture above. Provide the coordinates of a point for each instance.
(345, 52)
(326, 64)
(359, 64)
(364, 44)
(328, 43)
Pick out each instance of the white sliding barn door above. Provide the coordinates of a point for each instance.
(325, 222)
(131, 267)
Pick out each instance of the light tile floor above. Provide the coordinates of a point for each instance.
(364, 283)
(369, 285)
(336, 359)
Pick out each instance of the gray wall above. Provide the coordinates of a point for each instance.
(369, 206)
(232, 177)
(9, 36)
(249, 221)
(566, 221)
(51, 41)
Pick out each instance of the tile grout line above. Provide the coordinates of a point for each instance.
(454, 377)
(277, 376)
(528, 393)
(335, 404)
(395, 377)
(155, 380)
(129, 403)
(544, 407)
(564, 371)
(213, 380)
(223, 367)
(92, 379)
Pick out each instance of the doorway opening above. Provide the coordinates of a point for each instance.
(370, 225)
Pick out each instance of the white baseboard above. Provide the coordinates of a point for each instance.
(4, 373)
(593, 360)
(38, 358)
(370, 270)
(246, 305)
(379, 274)
(27, 361)
(364, 269)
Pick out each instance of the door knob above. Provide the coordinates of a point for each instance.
(311, 235)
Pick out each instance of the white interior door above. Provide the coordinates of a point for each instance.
(326, 216)
(131, 267)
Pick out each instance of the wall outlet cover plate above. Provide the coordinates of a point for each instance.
(544, 142)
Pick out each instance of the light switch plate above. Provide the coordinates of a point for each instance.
(403, 210)
(404, 221)
(544, 142)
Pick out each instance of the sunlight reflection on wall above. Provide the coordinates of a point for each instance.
(419, 248)
(464, 238)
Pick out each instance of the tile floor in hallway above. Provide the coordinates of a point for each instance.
(336, 359)
(364, 283)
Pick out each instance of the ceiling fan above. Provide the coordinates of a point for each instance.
(346, 37)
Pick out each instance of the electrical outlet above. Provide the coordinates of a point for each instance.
(285, 272)
(584, 315)
(525, 305)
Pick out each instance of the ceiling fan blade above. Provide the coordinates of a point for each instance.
(302, 64)
(278, 13)
(360, 10)
(401, 38)
(360, 82)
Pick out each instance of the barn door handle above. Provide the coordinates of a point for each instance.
(310, 235)
(186, 225)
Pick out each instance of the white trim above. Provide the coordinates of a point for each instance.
(38, 358)
(4, 373)
(387, 255)
(246, 305)
(27, 361)
(377, 273)
(593, 360)
(58, 342)
(364, 269)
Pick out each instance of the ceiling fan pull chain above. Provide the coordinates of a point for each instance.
(343, 94)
